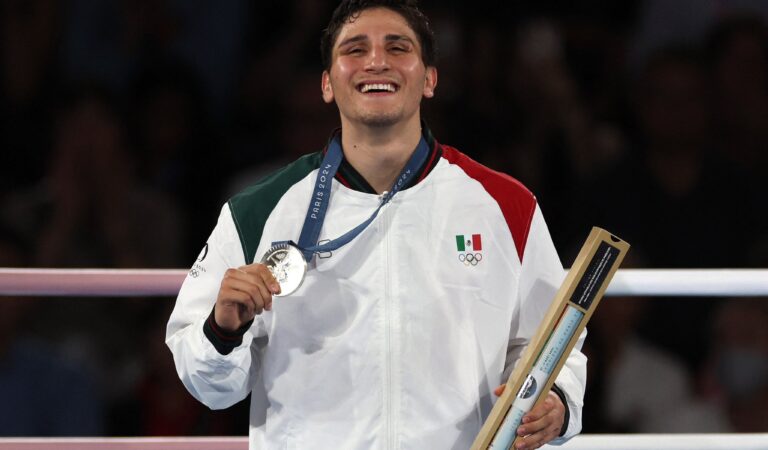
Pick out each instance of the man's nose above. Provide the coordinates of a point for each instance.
(377, 60)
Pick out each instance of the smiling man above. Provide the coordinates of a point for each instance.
(376, 75)
(376, 293)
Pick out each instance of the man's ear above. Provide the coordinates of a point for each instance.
(326, 87)
(430, 83)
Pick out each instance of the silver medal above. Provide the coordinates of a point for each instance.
(287, 265)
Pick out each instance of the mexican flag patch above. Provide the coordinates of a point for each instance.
(469, 242)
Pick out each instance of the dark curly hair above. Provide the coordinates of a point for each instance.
(349, 10)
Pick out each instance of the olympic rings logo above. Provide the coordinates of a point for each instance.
(470, 258)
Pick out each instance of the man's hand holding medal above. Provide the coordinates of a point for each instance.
(245, 292)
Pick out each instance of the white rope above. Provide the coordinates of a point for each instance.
(756, 441)
(140, 443)
(745, 441)
(166, 282)
(91, 282)
(690, 282)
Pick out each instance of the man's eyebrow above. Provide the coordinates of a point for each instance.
(353, 39)
(363, 37)
(397, 37)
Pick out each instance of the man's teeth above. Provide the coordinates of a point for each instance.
(377, 87)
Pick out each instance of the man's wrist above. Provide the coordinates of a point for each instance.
(567, 415)
(222, 340)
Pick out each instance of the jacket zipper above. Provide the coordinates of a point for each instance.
(388, 384)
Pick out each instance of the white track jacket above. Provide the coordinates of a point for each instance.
(398, 339)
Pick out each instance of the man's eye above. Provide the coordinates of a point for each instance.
(355, 51)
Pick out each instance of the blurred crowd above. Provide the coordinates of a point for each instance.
(127, 124)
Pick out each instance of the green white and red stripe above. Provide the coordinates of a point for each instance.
(469, 242)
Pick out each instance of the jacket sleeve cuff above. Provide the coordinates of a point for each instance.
(567, 417)
(222, 340)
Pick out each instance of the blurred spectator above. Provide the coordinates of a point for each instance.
(634, 387)
(306, 124)
(668, 199)
(684, 22)
(108, 41)
(91, 210)
(553, 141)
(669, 187)
(156, 404)
(738, 49)
(738, 53)
(43, 394)
(279, 90)
(29, 78)
(172, 135)
(735, 381)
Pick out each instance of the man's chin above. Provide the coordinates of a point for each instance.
(380, 120)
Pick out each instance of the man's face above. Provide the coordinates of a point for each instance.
(377, 76)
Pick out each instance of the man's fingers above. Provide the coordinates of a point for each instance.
(256, 291)
(233, 309)
(540, 425)
(499, 390)
(228, 296)
(250, 283)
(259, 275)
(547, 424)
(535, 440)
(265, 274)
(237, 298)
(539, 411)
(267, 284)
(251, 288)
(269, 281)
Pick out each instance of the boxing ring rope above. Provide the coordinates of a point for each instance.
(751, 441)
(166, 282)
(164, 443)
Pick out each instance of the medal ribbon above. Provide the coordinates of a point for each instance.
(318, 207)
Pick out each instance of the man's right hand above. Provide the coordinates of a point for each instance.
(245, 292)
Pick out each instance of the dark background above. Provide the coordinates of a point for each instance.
(126, 125)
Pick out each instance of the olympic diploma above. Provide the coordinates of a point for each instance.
(287, 265)
(568, 313)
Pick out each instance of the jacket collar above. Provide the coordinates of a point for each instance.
(351, 178)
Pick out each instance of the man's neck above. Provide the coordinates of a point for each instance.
(379, 154)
